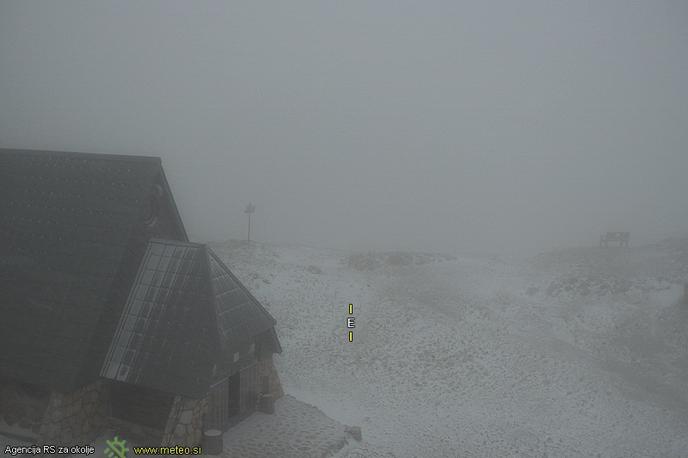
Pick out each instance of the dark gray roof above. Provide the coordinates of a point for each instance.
(66, 222)
(239, 315)
(185, 313)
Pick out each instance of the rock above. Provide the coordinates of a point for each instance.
(362, 261)
(399, 259)
(180, 431)
(355, 432)
(13, 413)
(185, 417)
(57, 414)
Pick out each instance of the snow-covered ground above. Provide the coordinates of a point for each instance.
(575, 353)
(295, 430)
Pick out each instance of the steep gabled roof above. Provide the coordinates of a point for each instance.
(66, 220)
(239, 315)
(186, 312)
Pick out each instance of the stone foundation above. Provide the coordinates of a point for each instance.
(76, 417)
(185, 423)
(126, 429)
(22, 408)
(80, 416)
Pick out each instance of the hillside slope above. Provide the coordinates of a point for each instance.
(574, 353)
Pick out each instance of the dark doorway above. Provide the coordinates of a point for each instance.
(233, 395)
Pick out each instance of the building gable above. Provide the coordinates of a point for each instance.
(68, 224)
(185, 317)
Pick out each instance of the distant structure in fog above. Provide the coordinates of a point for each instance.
(621, 237)
(249, 210)
(109, 316)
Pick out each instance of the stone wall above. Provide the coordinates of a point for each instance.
(75, 417)
(79, 416)
(185, 423)
(22, 408)
(129, 430)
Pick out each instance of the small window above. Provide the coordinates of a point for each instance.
(236, 356)
(251, 349)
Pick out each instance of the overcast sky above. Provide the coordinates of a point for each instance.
(371, 124)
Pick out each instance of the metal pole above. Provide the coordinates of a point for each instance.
(250, 208)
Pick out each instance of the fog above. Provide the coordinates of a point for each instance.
(496, 126)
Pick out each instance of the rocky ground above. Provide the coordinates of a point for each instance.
(579, 352)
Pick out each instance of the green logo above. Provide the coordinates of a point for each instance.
(116, 448)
